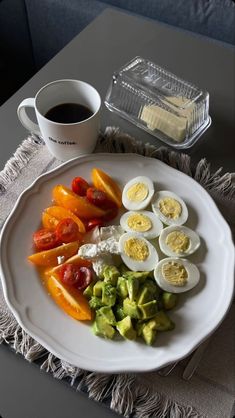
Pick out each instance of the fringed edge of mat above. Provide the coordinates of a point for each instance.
(121, 391)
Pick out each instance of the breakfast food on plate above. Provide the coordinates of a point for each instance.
(137, 193)
(143, 222)
(178, 241)
(170, 208)
(111, 274)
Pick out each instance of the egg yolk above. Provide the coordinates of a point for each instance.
(136, 248)
(137, 192)
(175, 273)
(178, 241)
(139, 222)
(170, 207)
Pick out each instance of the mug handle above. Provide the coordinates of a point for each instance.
(23, 117)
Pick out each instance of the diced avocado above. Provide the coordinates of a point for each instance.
(88, 292)
(123, 268)
(132, 287)
(122, 287)
(102, 328)
(95, 303)
(111, 274)
(126, 329)
(152, 287)
(140, 275)
(107, 313)
(118, 312)
(163, 322)
(97, 289)
(139, 328)
(148, 334)
(148, 310)
(108, 294)
(169, 300)
(144, 295)
(130, 308)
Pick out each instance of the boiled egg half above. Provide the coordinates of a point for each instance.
(137, 253)
(137, 193)
(145, 223)
(178, 241)
(170, 208)
(176, 275)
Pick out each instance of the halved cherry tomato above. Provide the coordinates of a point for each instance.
(79, 186)
(104, 182)
(71, 300)
(93, 223)
(53, 214)
(79, 205)
(44, 239)
(49, 258)
(67, 231)
(75, 259)
(74, 275)
(97, 197)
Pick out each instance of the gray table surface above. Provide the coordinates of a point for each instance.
(110, 41)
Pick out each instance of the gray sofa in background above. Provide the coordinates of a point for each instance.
(33, 31)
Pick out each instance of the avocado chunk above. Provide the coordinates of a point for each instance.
(97, 289)
(111, 274)
(119, 312)
(108, 294)
(122, 288)
(169, 300)
(148, 310)
(149, 334)
(139, 327)
(126, 329)
(95, 303)
(130, 308)
(152, 287)
(144, 295)
(141, 276)
(88, 292)
(132, 287)
(107, 313)
(102, 328)
(163, 322)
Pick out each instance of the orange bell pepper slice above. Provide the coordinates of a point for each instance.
(79, 205)
(104, 182)
(71, 300)
(53, 214)
(49, 258)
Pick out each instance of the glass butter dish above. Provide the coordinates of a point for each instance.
(173, 110)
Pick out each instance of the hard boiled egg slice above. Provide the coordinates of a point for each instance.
(178, 241)
(137, 193)
(145, 223)
(137, 253)
(170, 208)
(176, 275)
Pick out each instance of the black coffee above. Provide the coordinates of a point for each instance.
(68, 113)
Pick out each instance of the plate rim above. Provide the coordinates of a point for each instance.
(61, 168)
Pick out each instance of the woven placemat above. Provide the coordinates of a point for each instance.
(210, 393)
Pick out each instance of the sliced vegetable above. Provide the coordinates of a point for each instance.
(70, 300)
(49, 258)
(53, 214)
(80, 186)
(92, 223)
(44, 239)
(67, 231)
(104, 182)
(73, 275)
(97, 197)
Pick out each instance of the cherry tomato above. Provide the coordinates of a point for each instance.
(92, 223)
(80, 186)
(67, 230)
(44, 239)
(73, 275)
(111, 211)
(97, 197)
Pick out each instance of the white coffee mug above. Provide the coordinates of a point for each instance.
(64, 140)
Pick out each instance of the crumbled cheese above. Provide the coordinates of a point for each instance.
(60, 259)
(108, 246)
(112, 231)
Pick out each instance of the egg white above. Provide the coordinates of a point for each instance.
(192, 270)
(168, 221)
(193, 237)
(147, 265)
(155, 230)
(131, 205)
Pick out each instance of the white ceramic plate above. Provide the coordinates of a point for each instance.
(200, 311)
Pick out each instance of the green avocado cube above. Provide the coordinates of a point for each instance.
(108, 294)
(148, 334)
(152, 287)
(88, 292)
(111, 274)
(122, 288)
(97, 289)
(126, 329)
(107, 313)
(102, 328)
(118, 312)
(149, 309)
(139, 327)
(169, 300)
(141, 276)
(95, 303)
(130, 308)
(144, 295)
(163, 322)
(132, 287)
